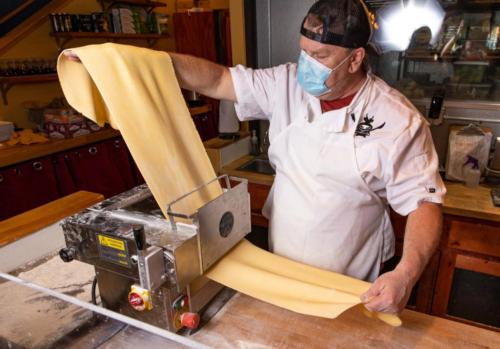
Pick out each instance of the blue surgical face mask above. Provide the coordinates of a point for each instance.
(312, 75)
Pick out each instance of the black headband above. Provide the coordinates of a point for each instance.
(326, 37)
(349, 39)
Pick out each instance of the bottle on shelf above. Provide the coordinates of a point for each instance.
(254, 143)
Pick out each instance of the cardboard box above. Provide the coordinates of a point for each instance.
(65, 123)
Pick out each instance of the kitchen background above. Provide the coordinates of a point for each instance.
(455, 88)
(32, 40)
(467, 76)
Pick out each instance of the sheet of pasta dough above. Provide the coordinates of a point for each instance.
(135, 90)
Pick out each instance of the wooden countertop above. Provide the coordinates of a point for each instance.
(10, 155)
(247, 322)
(460, 200)
(218, 143)
(475, 203)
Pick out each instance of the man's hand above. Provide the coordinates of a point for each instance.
(71, 56)
(389, 293)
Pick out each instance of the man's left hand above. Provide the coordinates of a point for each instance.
(389, 293)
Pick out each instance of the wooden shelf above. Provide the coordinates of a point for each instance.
(7, 82)
(63, 38)
(431, 57)
(11, 155)
(150, 5)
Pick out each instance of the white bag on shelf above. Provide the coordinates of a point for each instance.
(468, 148)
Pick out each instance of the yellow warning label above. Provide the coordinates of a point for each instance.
(112, 243)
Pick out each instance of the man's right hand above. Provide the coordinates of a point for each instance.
(71, 56)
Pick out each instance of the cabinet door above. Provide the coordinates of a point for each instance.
(138, 178)
(205, 126)
(26, 186)
(119, 153)
(65, 181)
(195, 34)
(468, 288)
(93, 168)
(469, 272)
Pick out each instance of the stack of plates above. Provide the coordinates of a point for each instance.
(6, 128)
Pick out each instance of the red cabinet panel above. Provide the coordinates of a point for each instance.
(119, 154)
(106, 167)
(94, 168)
(139, 179)
(26, 186)
(65, 181)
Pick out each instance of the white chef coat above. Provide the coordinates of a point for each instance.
(337, 172)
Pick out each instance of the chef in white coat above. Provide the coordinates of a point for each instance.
(345, 147)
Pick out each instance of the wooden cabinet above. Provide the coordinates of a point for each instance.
(468, 284)
(27, 185)
(103, 167)
(258, 195)
(207, 35)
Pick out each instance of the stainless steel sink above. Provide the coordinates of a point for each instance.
(257, 165)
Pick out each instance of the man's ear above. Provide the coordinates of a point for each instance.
(357, 60)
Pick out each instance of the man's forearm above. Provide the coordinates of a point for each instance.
(423, 231)
(208, 78)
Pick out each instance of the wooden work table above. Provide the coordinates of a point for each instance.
(242, 322)
(247, 322)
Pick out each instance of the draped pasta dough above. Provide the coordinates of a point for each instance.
(135, 90)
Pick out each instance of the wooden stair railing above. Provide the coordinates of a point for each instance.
(30, 24)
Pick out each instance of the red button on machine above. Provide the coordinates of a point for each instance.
(136, 301)
(190, 320)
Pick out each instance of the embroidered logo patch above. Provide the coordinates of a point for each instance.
(365, 128)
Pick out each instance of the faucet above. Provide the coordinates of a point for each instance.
(265, 145)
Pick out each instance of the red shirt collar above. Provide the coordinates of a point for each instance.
(327, 106)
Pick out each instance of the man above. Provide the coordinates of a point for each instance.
(345, 146)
